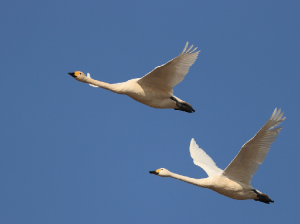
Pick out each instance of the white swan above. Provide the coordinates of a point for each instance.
(234, 181)
(156, 88)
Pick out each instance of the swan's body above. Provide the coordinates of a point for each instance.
(235, 181)
(156, 88)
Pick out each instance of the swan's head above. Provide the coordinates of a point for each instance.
(161, 172)
(76, 74)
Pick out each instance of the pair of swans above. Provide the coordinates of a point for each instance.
(235, 181)
(156, 88)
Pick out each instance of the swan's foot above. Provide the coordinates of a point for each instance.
(262, 197)
(182, 106)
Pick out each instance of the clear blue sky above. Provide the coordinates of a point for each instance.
(71, 153)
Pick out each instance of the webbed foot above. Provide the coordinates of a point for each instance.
(262, 197)
(182, 106)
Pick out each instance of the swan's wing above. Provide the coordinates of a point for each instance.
(89, 76)
(253, 153)
(203, 160)
(170, 74)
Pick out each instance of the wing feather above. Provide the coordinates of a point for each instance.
(173, 72)
(253, 152)
(203, 160)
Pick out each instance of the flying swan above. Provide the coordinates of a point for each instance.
(156, 88)
(235, 181)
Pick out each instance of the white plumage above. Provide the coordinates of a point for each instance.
(235, 180)
(156, 88)
(168, 75)
(200, 158)
(254, 152)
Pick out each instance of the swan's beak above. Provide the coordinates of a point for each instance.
(153, 172)
(72, 74)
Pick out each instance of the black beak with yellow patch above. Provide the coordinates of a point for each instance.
(72, 74)
(154, 172)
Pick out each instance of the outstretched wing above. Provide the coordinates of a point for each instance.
(203, 160)
(253, 153)
(170, 74)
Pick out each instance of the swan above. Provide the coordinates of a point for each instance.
(155, 89)
(234, 181)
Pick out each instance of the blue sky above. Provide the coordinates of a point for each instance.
(71, 153)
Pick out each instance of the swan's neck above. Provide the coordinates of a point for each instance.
(117, 88)
(197, 182)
